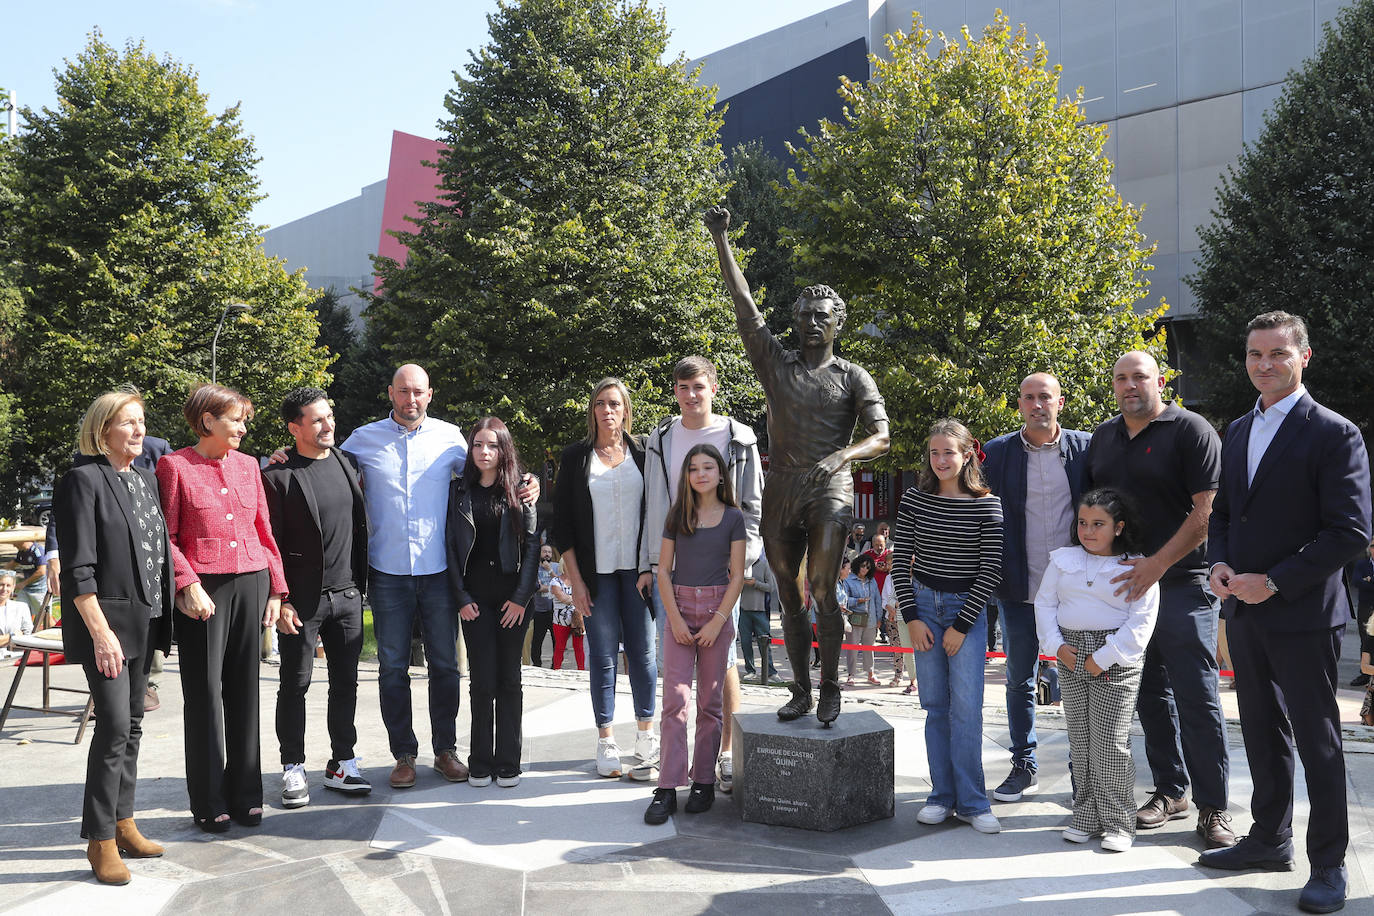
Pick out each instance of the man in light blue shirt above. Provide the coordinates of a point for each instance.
(407, 461)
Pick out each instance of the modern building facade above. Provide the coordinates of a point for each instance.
(1180, 84)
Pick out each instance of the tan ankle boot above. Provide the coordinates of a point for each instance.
(105, 862)
(133, 843)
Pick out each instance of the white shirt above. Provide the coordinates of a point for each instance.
(616, 497)
(682, 440)
(15, 620)
(1264, 427)
(1067, 600)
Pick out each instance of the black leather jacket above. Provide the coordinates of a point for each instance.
(519, 547)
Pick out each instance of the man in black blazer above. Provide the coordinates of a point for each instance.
(1293, 509)
(320, 525)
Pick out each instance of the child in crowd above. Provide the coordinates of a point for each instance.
(567, 625)
(700, 577)
(946, 560)
(1099, 638)
(862, 614)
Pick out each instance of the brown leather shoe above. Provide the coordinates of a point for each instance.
(1159, 809)
(132, 843)
(403, 773)
(151, 703)
(1214, 826)
(105, 862)
(450, 767)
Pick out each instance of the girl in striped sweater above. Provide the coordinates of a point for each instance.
(946, 561)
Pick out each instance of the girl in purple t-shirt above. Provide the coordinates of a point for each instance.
(700, 575)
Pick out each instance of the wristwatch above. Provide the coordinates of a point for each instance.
(1269, 584)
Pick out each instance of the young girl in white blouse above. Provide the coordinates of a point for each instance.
(1099, 638)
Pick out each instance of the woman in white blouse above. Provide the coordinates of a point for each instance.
(598, 515)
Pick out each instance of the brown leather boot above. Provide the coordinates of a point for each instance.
(132, 843)
(105, 862)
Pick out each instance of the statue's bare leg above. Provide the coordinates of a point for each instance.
(824, 556)
(785, 555)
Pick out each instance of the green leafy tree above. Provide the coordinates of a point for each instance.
(967, 215)
(568, 244)
(361, 371)
(10, 309)
(132, 231)
(755, 201)
(1294, 230)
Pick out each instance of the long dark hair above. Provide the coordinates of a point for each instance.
(1120, 508)
(508, 470)
(970, 475)
(682, 517)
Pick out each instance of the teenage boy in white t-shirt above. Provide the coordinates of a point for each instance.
(695, 386)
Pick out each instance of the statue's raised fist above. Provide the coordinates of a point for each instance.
(717, 219)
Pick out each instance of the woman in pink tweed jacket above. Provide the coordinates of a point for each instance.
(229, 580)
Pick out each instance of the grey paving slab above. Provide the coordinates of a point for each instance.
(566, 842)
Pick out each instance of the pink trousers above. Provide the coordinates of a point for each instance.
(697, 606)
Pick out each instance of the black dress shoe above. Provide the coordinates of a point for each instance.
(1324, 891)
(1360, 680)
(798, 706)
(702, 797)
(662, 807)
(1250, 852)
(828, 709)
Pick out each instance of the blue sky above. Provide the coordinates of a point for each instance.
(322, 84)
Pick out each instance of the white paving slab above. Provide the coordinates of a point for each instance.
(139, 897)
(552, 817)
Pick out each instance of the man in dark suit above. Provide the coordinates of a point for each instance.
(320, 525)
(1292, 510)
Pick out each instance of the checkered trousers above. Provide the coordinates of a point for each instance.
(1099, 711)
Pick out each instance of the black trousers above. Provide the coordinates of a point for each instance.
(112, 763)
(219, 685)
(541, 628)
(494, 680)
(338, 623)
(1286, 692)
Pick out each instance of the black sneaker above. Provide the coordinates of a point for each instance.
(343, 776)
(702, 797)
(662, 807)
(1021, 781)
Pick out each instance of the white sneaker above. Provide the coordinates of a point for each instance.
(725, 773)
(933, 814)
(295, 790)
(646, 745)
(984, 823)
(1117, 842)
(343, 776)
(1077, 835)
(608, 758)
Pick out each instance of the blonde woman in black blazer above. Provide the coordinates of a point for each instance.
(116, 572)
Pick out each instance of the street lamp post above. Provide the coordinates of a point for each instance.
(214, 342)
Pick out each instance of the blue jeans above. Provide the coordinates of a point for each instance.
(395, 602)
(951, 692)
(752, 625)
(1179, 709)
(620, 616)
(1023, 655)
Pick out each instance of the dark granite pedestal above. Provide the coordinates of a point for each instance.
(800, 774)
